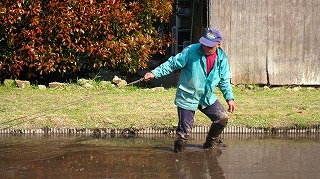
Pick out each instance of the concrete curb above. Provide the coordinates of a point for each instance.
(196, 130)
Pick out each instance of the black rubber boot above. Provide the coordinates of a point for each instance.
(212, 143)
(212, 139)
(180, 145)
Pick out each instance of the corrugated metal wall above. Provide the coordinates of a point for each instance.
(274, 42)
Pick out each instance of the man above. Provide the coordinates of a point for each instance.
(204, 66)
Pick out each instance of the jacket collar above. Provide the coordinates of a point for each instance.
(203, 59)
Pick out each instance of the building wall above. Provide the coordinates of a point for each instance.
(270, 41)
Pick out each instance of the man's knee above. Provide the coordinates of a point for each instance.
(223, 120)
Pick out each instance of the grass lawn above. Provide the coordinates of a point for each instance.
(132, 107)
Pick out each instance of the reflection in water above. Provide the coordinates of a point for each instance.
(117, 164)
(152, 156)
(65, 157)
(199, 164)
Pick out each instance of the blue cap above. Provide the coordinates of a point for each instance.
(211, 38)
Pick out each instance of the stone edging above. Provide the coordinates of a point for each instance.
(85, 83)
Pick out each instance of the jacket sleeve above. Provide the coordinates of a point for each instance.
(225, 80)
(173, 63)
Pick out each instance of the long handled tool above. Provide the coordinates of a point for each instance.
(40, 114)
(134, 82)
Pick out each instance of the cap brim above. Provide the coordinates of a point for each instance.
(207, 42)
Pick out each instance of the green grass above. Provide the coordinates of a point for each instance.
(132, 107)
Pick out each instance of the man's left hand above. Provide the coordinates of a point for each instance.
(232, 106)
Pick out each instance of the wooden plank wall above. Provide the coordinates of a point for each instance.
(274, 42)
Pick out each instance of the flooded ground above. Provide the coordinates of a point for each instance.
(152, 156)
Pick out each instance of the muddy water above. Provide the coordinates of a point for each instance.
(151, 156)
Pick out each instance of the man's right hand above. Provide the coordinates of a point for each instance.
(148, 76)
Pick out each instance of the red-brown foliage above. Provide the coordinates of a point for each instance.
(40, 37)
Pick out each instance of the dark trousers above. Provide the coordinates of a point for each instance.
(215, 112)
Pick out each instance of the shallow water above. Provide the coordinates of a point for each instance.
(152, 156)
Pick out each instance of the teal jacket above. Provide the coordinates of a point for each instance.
(195, 87)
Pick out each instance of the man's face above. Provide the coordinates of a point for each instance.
(210, 50)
